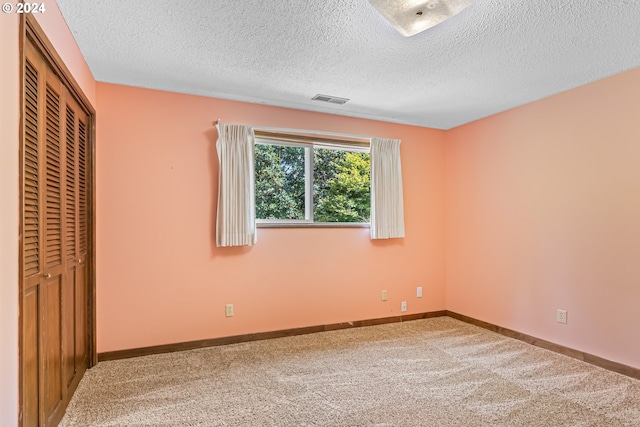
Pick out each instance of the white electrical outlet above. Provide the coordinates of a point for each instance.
(419, 292)
(561, 316)
(403, 306)
(229, 310)
(384, 295)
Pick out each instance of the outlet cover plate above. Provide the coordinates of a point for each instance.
(419, 292)
(403, 306)
(561, 316)
(228, 310)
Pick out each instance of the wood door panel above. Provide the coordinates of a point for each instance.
(53, 176)
(71, 184)
(30, 356)
(31, 173)
(83, 190)
(51, 344)
(83, 245)
(69, 326)
(82, 320)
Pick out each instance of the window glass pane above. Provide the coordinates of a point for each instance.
(341, 185)
(280, 184)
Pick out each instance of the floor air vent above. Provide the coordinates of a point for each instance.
(330, 99)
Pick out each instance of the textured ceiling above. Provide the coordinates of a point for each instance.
(495, 55)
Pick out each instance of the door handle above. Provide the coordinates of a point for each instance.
(46, 275)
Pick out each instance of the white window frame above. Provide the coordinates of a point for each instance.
(309, 221)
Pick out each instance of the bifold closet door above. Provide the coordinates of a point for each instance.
(76, 245)
(32, 246)
(55, 244)
(42, 248)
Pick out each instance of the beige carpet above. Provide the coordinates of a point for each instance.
(433, 372)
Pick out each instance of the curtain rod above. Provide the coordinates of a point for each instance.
(312, 132)
(309, 132)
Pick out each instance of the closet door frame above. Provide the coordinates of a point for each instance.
(31, 32)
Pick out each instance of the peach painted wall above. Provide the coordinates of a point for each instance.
(9, 216)
(162, 280)
(543, 212)
(56, 29)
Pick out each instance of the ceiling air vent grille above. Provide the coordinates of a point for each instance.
(330, 99)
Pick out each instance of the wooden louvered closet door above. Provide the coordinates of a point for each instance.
(55, 224)
(76, 243)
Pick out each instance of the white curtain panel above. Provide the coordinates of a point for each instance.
(236, 221)
(387, 207)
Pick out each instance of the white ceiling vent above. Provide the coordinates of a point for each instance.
(331, 99)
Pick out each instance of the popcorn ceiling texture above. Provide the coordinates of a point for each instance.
(494, 56)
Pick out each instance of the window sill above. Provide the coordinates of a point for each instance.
(312, 225)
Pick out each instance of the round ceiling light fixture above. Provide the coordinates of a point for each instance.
(410, 17)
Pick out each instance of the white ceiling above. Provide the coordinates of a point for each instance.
(495, 55)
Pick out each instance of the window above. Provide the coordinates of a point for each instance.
(311, 183)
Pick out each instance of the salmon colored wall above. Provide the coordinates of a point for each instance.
(543, 213)
(541, 206)
(56, 29)
(9, 216)
(162, 280)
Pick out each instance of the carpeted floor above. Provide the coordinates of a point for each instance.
(433, 372)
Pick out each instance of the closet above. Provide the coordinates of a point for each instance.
(56, 309)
